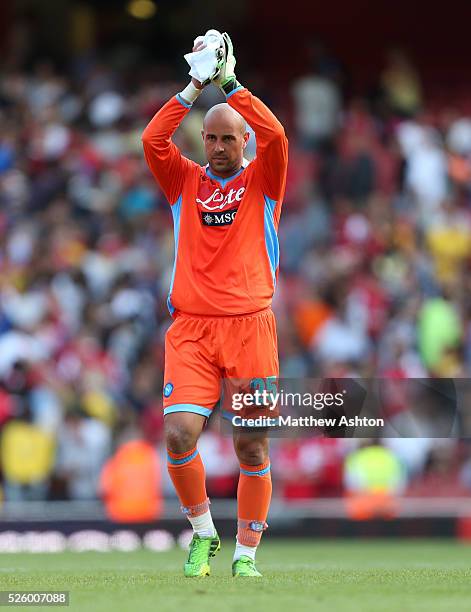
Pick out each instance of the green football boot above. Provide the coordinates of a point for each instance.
(201, 550)
(245, 567)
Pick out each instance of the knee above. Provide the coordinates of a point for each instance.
(252, 452)
(179, 437)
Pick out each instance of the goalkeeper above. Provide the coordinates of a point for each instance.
(226, 217)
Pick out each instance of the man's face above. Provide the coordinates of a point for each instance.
(224, 138)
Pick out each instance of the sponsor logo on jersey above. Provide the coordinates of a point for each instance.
(211, 196)
(215, 219)
(218, 200)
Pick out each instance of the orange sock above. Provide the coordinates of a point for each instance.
(187, 473)
(253, 501)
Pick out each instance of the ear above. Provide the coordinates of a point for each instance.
(246, 139)
(202, 134)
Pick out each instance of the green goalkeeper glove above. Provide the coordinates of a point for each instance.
(226, 79)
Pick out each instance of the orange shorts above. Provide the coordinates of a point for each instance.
(201, 351)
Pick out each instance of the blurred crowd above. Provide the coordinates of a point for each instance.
(374, 280)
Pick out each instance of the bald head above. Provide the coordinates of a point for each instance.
(225, 137)
(224, 115)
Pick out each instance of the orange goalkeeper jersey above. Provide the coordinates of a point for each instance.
(226, 244)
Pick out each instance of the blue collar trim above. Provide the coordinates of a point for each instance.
(223, 181)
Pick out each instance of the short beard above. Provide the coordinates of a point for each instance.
(228, 170)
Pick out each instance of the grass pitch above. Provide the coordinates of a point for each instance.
(318, 575)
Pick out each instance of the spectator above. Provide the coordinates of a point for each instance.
(401, 84)
(130, 483)
(374, 478)
(317, 103)
(27, 456)
(84, 444)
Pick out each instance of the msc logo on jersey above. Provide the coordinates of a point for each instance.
(215, 219)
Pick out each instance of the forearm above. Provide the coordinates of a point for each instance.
(191, 91)
(165, 122)
(272, 144)
(268, 130)
(162, 155)
(266, 126)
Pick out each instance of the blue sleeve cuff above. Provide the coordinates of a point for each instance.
(182, 101)
(238, 88)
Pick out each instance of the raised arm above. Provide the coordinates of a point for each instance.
(166, 162)
(272, 144)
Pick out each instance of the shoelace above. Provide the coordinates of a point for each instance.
(247, 561)
(199, 551)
